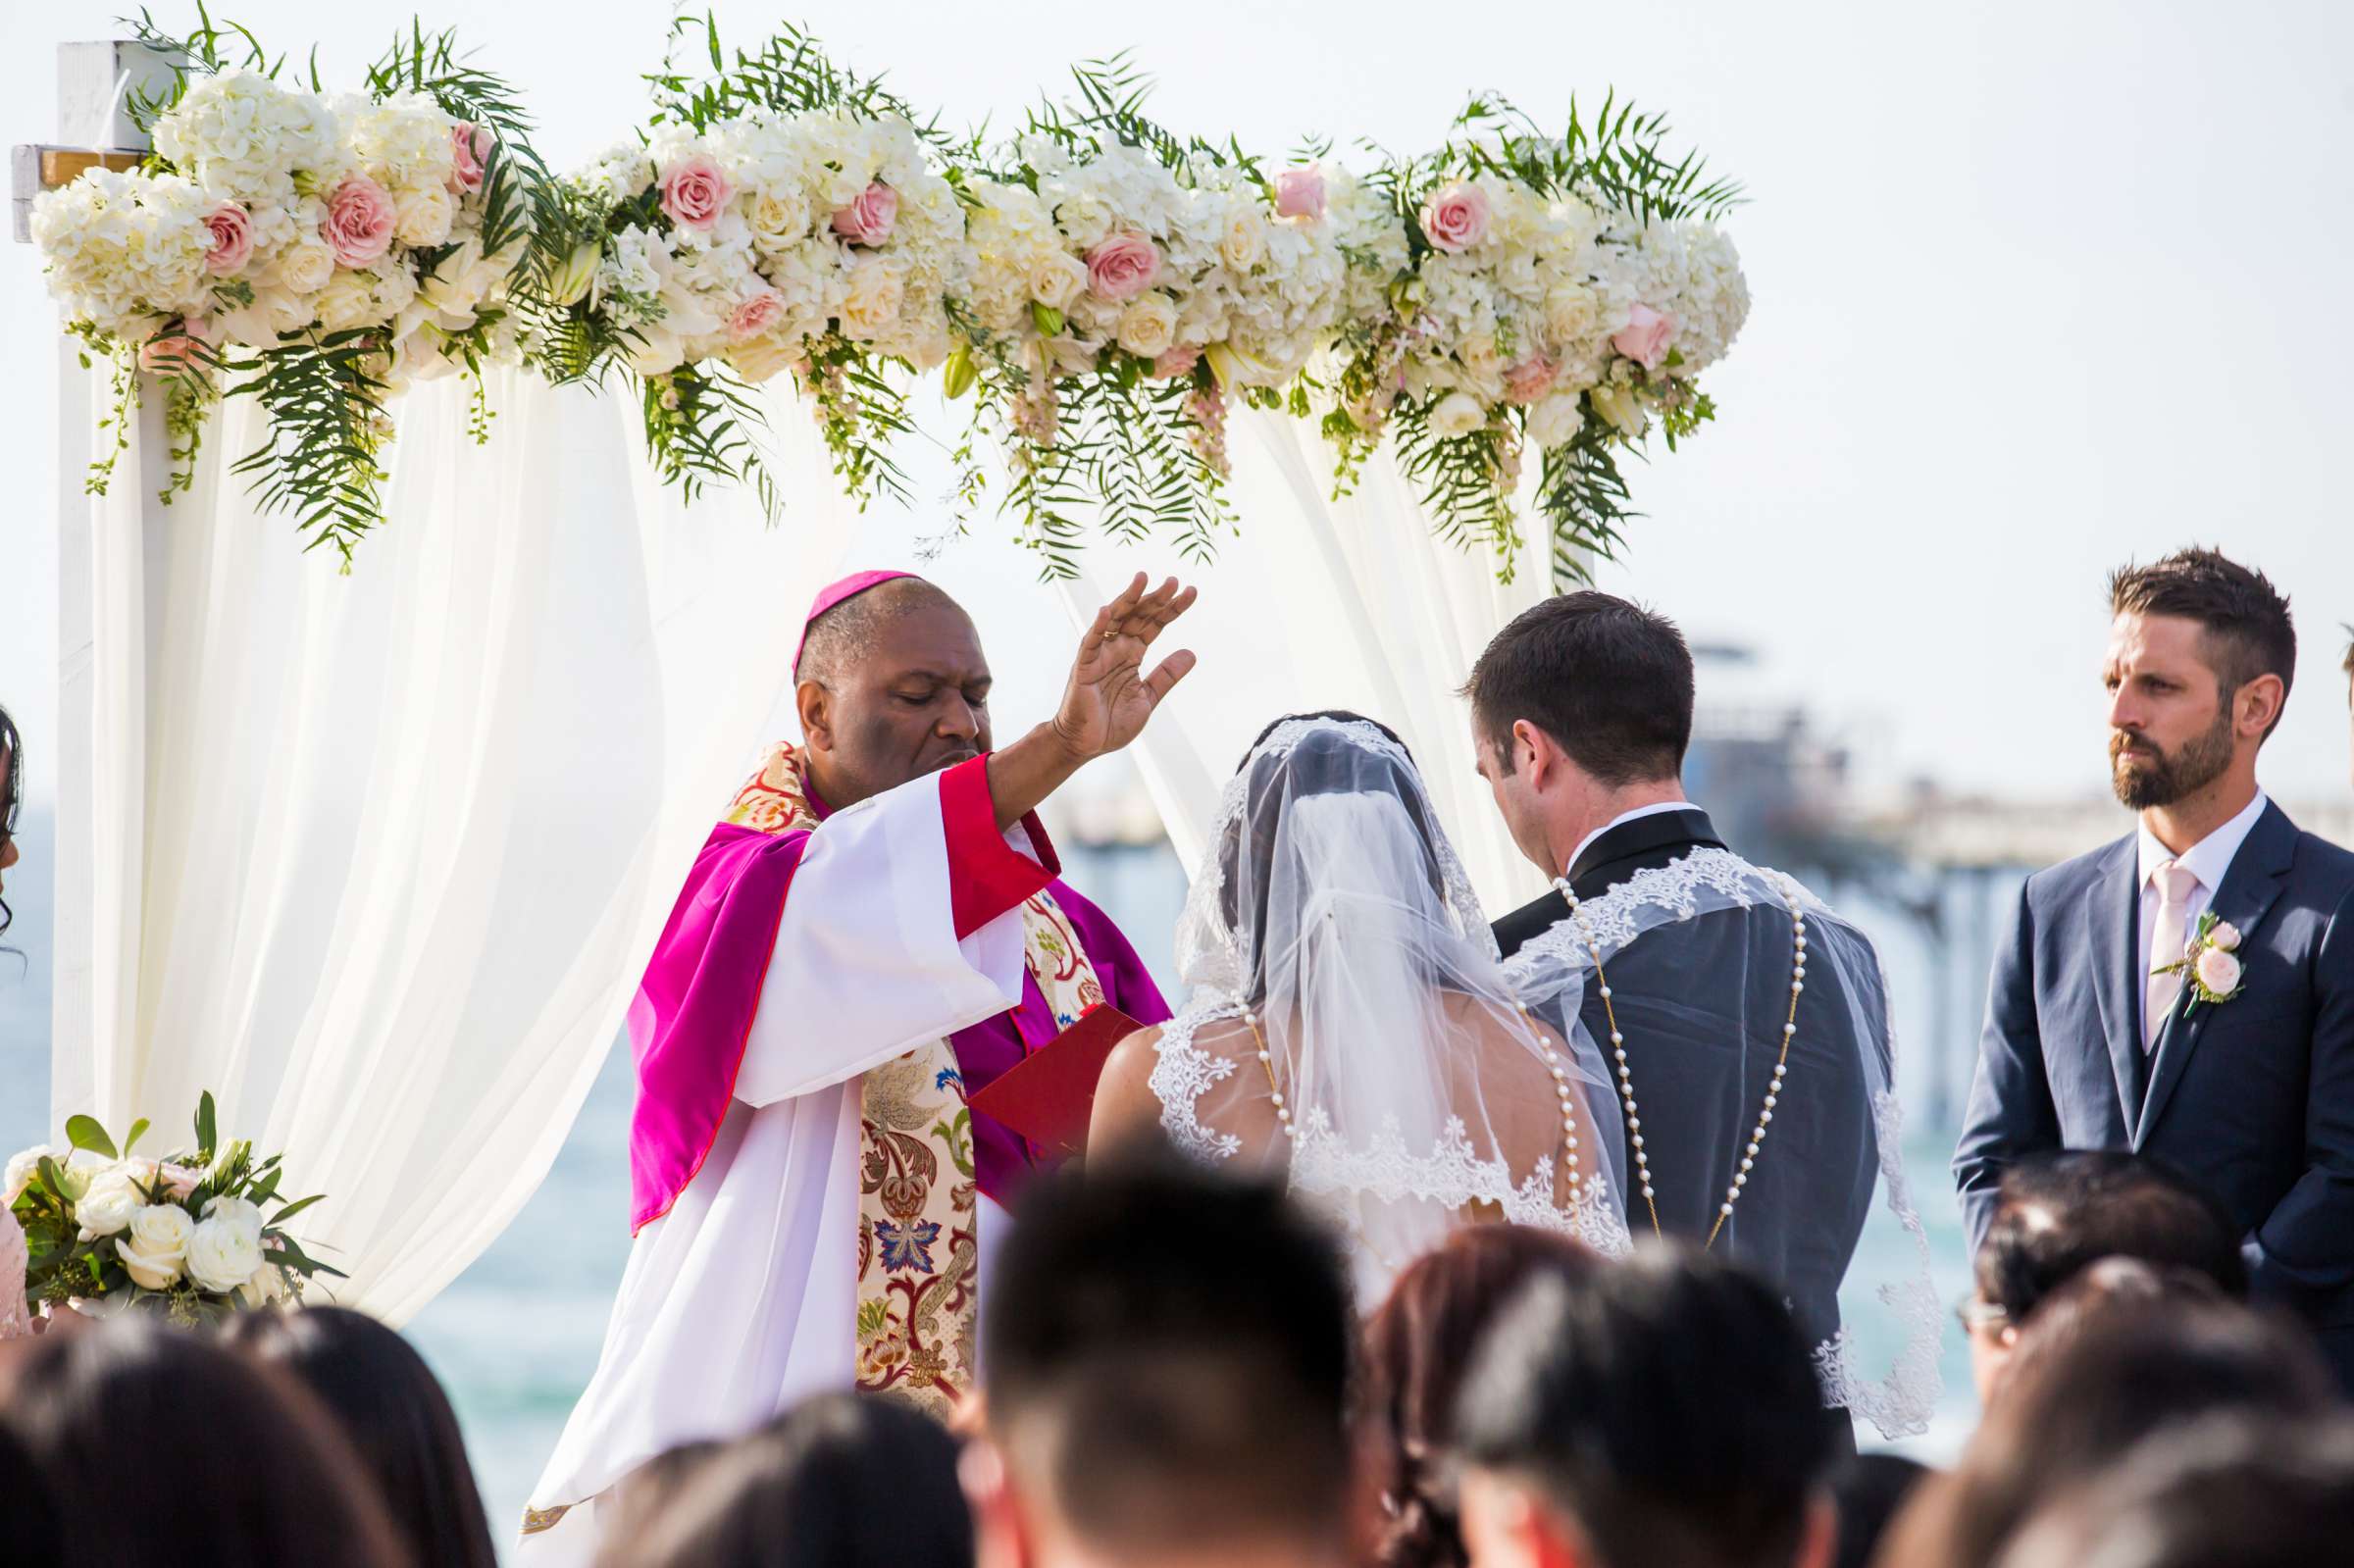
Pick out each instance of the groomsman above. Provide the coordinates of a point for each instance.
(2120, 1016)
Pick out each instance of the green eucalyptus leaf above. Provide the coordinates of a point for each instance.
(84, 1132)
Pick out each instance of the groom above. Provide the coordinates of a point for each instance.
(2098, 1032)
(1581, 713)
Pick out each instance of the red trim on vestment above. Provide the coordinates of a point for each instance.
(986, 876)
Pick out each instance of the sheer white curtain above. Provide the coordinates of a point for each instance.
(1320, 603)
(379, 858)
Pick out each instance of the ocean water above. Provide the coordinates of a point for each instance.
(516, 1336)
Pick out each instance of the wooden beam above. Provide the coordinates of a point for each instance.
(94, 84)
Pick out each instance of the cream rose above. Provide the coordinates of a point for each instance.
(22, 1169)
(156, 1245)
(1570, 315)
(1055, 279)
(1457, 413)
(268, 1285)
(759, 358)
(1149, 325)
(425, 215)
(777, 217)
(109, 1204)
(874, 300)
(1554, 419)
(1245, 241)
(223, 1253)
(347, 300)
(2218, 971)
(305, 266)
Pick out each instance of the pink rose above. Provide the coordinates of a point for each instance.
(2226, 935)
(176, 350)
(1122, 267)
(469, 151)
(1529, 380)
(1644, 337)
(868, 220)
(1456, 218)
(232, 229)
(359, 221)
(1178, 361)
(695, 190)
(180, 1181)
(754, 314)
(2218, 971)
(1299, 193)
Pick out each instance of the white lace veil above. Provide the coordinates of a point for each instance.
(1350, 1024)
(1806, 1201)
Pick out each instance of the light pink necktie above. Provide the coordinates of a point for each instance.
(2160, 993)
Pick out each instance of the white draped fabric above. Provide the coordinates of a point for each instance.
(1323, 603)
(379, 858)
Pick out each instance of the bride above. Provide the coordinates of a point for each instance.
(1350, 1023)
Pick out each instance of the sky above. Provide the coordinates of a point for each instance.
(2039, 288)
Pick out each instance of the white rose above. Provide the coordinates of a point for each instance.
(1570, 315)
(22, 1169)
(1478, 356)
(1245, 240)
(347, 300)
(1457, 413)
(235, 1210)
(1554, 419)
(156, 1245)
(223, 1253)
(109, 1204)
(873, 302)
(304, 266)
(756, 358)
(423, 216)
(268, 1284)
(778, 217)
(1149, 325)
(1055, 279)
(78, 1170)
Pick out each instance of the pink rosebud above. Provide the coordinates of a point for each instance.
(868, 220)
(2226, 935)
(1456, 218)
(2218, 971)
(232, 229)
(1122, 267)
(180, 1181)
(1178, 361)
(359, 221)
(1645, 337)
(694, 191)
(1299, 193)
(1528, 380)
(755, 314)
(469, 152)
(176, 350)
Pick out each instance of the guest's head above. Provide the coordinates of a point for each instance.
(161, 1445)
(1868, 1492)
(2057, 1214)
(28, 1520)
(1580, 709)
(1417, 1351)
(648, 1490)
(12, 800)
(2122, 1364)
(2201, 655)
(846, 1480)
(1660, 1411)
(892, 684)
(392, 1408)
(2233, 1492)
(1166, 1359)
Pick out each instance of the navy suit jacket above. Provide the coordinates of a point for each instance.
(2252, 1098)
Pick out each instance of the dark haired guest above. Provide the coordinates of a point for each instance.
(1660, 1414)
(161, 1445)
(844, 1480)
(1167, 1363)
(28, 1520)
(2056, 1215)
(1868, 1492)
(393, 1409)
(2187, 992)
(2148, 1361)
(1418, 1350)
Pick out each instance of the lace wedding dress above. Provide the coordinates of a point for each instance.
(1350, 1027)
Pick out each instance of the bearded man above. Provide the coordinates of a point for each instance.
(2187, 992)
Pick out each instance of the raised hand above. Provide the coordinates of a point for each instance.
(1110, 695)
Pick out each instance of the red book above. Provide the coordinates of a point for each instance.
(1048, 1095)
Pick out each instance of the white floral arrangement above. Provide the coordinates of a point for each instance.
(195, 1235)
(318, 253)
(1515, 311)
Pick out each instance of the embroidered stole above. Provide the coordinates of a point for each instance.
(918, 1283)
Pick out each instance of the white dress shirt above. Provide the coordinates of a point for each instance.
(1653, 810)
(2208, 860)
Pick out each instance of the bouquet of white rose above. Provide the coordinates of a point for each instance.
(191, 1235)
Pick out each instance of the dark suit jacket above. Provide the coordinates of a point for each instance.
(2252, 1098)
(1698, 1051)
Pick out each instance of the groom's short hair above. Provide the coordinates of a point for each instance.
(1666, 1405)
(2246, 620)
(1609, 680)
(1165, 1354)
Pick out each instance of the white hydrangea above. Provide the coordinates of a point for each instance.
(125, 251)
(402, 142)
(245, 137)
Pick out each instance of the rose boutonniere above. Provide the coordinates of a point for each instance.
(2211, 967)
